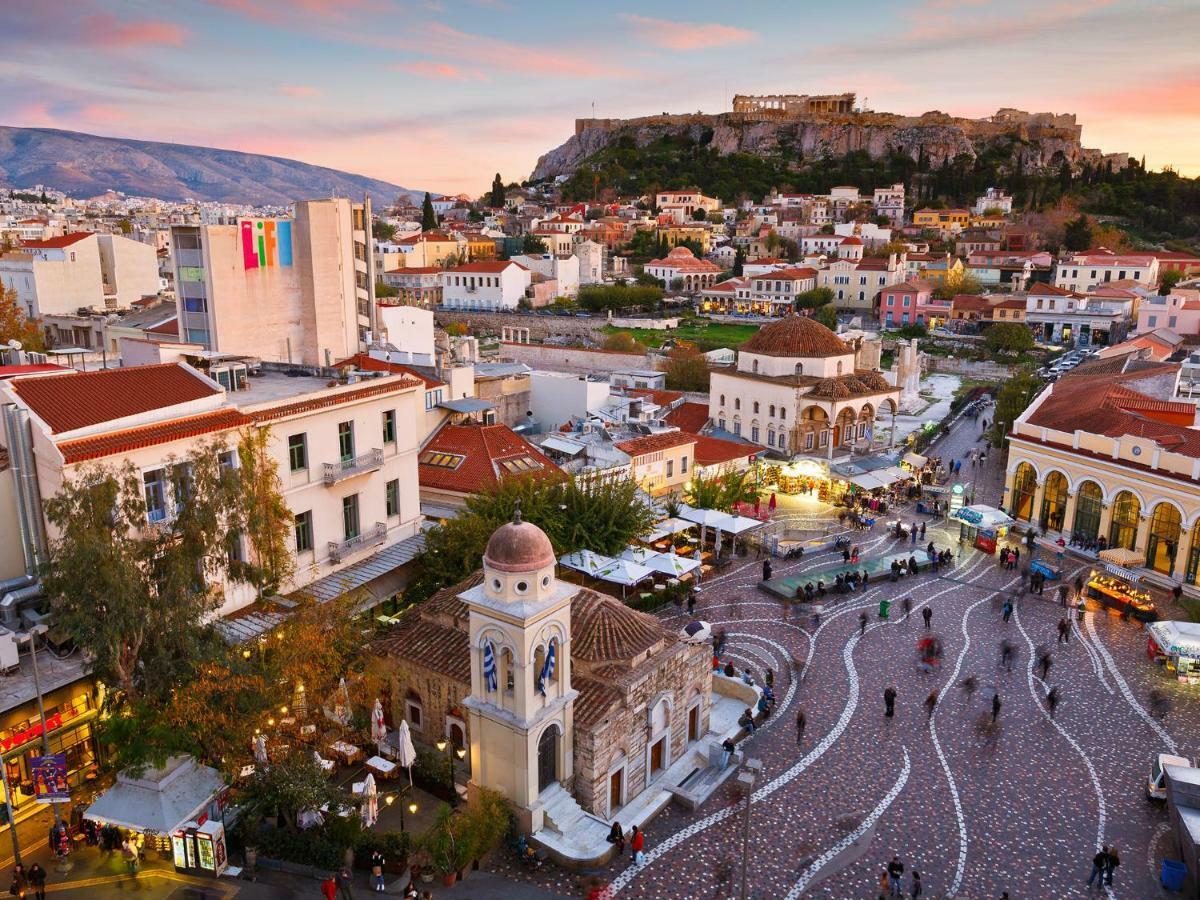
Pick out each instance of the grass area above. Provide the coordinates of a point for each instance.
(1191, 607)
(704, 334)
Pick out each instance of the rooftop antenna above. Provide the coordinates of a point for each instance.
(593, 109)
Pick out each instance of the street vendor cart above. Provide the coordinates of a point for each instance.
(1177, 646)
(1115, 589)
(982, 526)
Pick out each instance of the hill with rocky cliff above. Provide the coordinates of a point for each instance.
(1032, 141)
(85, 165)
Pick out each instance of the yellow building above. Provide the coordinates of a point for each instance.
(480, 247)
(677, 234)
(661, 463)
(428, 248)
(945, 220)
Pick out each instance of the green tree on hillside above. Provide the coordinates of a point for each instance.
(496, 197)
(533, 244)
(827, 316)
(1008, 337)
(429, 219)
(1077, 234)
(382, 231)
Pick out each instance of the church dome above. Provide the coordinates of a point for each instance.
(518, 547)
(796, 336)
(681, 253)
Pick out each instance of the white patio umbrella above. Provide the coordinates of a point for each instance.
(696, 632)
(260, 749)
(378, 728)
(340, 711)
(370, 813)
(670, 564)
(406, 753)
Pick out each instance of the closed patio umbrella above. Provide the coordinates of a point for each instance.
(378, 728)
(406, 753)
(370, 813)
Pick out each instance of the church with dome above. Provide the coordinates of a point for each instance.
(568, 702)
(801, 391)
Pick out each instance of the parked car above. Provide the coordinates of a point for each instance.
(1156, 787)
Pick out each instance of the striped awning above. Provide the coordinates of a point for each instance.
(1121, 572)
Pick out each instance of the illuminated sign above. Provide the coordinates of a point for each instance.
(266, 243)
(33, 731)
(969, 515)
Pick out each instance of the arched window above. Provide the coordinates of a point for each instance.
(754, 366)
(783, 412)
(737, 402)
(1024, 487)
(722, 399)
(799, 368)
(772, 407)
(509, 670)
(1123, 530)
(839, 367)
(1089, 503)
(756, 407)
(1166, 524)
(1054, 502)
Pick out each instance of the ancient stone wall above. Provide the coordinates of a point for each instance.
(540, 327)
(574, 359)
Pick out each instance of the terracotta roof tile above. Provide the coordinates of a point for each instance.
(348, 396)
(796, 336)
(371, 364)
(418, 641)
(604, 629)
(482, 451)
(711, 451)
(596, 699)
(652, 443)
(662, 398)
(688, 416)
(57, 243)
(80, 399)
(78, 450)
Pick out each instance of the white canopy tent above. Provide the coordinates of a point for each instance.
(666, 563)
(706, 518)
(160, 800)
(585, 561)
(740, 525)
(668, 527)
(1177, 638)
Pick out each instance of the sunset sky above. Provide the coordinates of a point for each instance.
(440, 95)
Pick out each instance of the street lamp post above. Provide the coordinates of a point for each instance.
(37, 688)
(747, 778)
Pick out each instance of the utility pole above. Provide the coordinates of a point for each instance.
(12, 821)
(34, 632)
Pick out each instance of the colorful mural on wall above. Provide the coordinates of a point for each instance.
(266, 242)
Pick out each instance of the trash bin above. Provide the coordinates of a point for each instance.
(1173, 874)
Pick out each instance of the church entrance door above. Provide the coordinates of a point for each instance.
(547, 758)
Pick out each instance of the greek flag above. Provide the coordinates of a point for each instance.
(547, 669)
(489, 666)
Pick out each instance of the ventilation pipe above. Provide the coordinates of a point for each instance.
(29, 501)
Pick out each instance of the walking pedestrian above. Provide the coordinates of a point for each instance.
(895, 873)
(968, 685)
(931, 704)
(345, 884)
(37, 880)
(907, 604)
(846, 556)
(1052, 700)
(1099, 866)
(922, 531)
(1078, 585)
(1044, 662)
(770, 678)
(912, 533)
(727, 748)
(1007, 652)
(801, 721)
(889, 701)
(1062, 595)
(1113, 861)
(329, 887)
(19, 881)
(865, 579)
(616, 835)
(927, 615)
(995, 706)
(637, 844)
(691, 602)
(916, 884)
(1008, 610)
(862, 623)
(377, 871)
(766, 570)
(1064, 630)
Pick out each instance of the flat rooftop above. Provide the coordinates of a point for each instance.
(272, 386)
(18, 688)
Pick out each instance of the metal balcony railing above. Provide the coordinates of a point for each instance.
(339, 550)
(332, 473)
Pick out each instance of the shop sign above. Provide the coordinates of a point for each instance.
(33, 731)
(50, 778)
(968, 515)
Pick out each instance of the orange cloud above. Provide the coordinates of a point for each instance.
(447, 41)
(106, 30)
(686, 35)
(436, 71)
(1175, 95)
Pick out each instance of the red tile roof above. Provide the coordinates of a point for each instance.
(79, 399)
(1051, 290)
(662, 398)
(427, 236)
(711, 451)
(415, 270)
(487, 266)
(484, 449)
(374, 389)
(786, 275)
(370, 364)
(688, 416)
(76, 450)
(57, 243)
(30, 369)
(169, 326)
(653, 443)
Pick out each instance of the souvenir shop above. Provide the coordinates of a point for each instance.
(802, 478)
(1177, 646)
(982, 527)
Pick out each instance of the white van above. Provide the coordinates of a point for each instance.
(1156, 787)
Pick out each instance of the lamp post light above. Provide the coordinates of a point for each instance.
(746, 779)
(32, 636)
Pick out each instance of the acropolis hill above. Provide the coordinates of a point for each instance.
(810, 127)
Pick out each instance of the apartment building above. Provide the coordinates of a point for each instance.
(298, 290)
(1081, 271)
(346, 454)
(494, 285)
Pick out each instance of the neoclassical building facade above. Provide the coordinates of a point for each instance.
(1105, 454)
(797, 389)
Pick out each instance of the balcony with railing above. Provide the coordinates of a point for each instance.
(370, 537)
(332, 473)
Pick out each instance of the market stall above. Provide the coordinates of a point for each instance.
(1113, 587)
(1177, 644)
(982, 526)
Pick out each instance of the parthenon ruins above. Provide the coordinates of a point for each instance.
(793, 104)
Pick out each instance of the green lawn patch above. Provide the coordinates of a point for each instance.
(704, 334)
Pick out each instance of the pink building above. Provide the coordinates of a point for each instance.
(1180, 312)
(907, 303)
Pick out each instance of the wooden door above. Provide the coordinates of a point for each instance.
(615, 785)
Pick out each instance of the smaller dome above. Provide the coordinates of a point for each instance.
(681, 253)
(518, 547)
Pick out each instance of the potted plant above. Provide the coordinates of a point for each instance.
(422, 865)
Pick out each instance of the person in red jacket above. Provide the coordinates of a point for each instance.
(637, 844)
(329, 888)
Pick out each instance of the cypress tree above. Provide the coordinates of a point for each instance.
(428, 216)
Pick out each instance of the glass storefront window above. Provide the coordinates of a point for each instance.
(1024, 487)
(1123, 531)
(1088, 508)
(1166, 524)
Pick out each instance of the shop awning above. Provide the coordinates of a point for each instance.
(1121, 572)
(668, 527)
(740, 524)
(866, 480)
(985, 517)
(709, 518)
(1120, 556)
(1176, 638)
(916, 460)
(160, 800)
(665, 563)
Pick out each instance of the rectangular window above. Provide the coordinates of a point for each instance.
(298, 452)
(754, 433)
(670, 467)
(683, 465)
(808, 441)
(393, 497)
(304, 531)
(389, 426)
(350, 516)
(233, 547)
(156, 495)
(346, 441)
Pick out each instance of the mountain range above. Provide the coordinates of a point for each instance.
(84, 165)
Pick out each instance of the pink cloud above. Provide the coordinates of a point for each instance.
(302, 91)
(436, 71)
(276, 11)
(106, 30)
(448, 42)
(687, 35)
(1175, 95)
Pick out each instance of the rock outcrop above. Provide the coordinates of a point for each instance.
(1039, 140)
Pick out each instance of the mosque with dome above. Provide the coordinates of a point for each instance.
(570, 703)
(800, 390)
